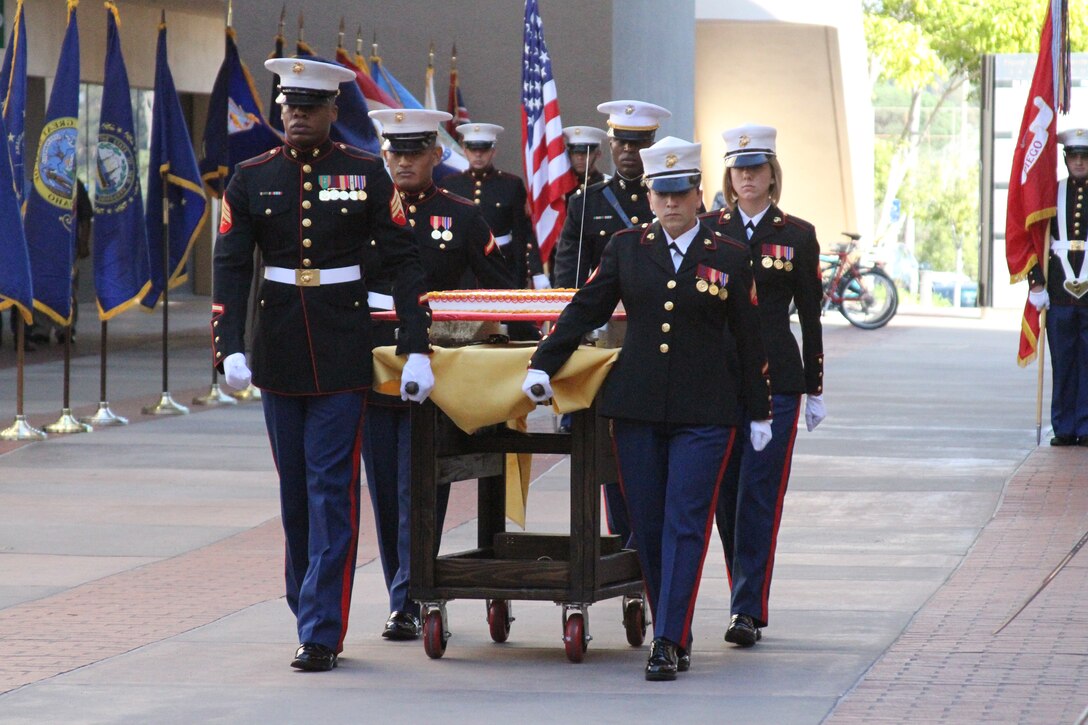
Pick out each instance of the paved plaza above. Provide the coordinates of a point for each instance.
(141, 566)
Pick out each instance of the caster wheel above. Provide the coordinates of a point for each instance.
(499, 619)
(434, 635)
(634, 621)
(574, 638)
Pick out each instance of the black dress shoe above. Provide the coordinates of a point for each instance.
(742, 631)
(683, 660)
(662, 664)
(401, 626)
(313, 657)
(1063, 441)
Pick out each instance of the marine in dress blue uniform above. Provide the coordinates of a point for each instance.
(324, 217)
(1064, 290)
(785, 257)
(604, 209)
(584, 149)
(502, 200)
(453, 239)
(692, 353)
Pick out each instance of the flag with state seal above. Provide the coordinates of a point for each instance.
(175, 194)
(13, 95)
(236, 129)
(49, 218)
(121, 263)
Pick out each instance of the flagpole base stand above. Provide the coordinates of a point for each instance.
(104, 417)
(21, 430)
(67, 423)
(166, 406)
(250, 394)
(215, 396)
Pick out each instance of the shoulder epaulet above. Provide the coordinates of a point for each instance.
(456, 197)
(798, 221)
(726, 239)
(261, 158)
(356, 152)
(598, 186)
(636, 230)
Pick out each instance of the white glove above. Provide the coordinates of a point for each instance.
(417, 370)
(540, 281)
(814, 411)
(236, 372)
(760, 434)
(537, 377)
(1040, 300)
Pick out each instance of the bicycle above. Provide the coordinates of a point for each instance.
(865, 295)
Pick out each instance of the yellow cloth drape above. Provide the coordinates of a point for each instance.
(480, 385)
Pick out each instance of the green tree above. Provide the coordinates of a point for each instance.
(931, 48)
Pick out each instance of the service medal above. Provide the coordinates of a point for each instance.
(779, 264)
(362, 196)
(767, 262)
(702, 285)
(724, 293)
(322, 195)
(344, 195)
(436, 235)
(789, 266)
(713, 289)
(353, 195)
(447, 236)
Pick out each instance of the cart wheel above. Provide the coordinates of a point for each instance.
(434, 637)
(574, 637)
(498, 619)
(634, 621)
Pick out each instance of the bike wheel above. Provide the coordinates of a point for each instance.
(869, 298)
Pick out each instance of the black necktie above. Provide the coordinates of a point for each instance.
(750, 228)
(678, 256)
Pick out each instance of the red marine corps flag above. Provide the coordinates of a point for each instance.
(547, 167)
(1033, 183)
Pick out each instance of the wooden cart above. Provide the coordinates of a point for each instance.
(572, 570)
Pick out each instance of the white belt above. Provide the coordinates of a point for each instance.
(504, 239)
(313, 277)
(378, 301)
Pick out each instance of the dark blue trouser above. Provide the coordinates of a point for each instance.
(750, 509)
(315, 444)
(670, 476)
(1067, 335)
(387, 454)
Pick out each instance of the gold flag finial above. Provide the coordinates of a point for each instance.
(230, 14)
(340, 34)
(301, 23)
(453, 57)
(430, 56)
(283, 19)
(359, 41)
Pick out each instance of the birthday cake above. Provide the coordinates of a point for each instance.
(508, 302)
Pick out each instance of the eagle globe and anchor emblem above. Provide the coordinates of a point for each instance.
(55, 172)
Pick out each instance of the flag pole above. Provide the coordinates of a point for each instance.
(103, 416)
(21, 429)
(67, 423)
(1041, 347)
(166, 405)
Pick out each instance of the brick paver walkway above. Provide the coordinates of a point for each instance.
(949, 666)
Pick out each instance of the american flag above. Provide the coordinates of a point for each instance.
(547, 167)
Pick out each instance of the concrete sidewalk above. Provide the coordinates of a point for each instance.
(141, 567)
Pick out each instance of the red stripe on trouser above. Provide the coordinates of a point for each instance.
(353, 547)
(783, 482)
(686, 636)
(630, 519)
